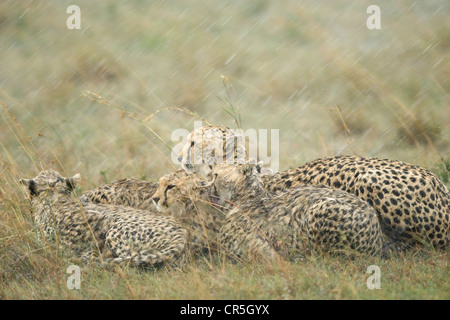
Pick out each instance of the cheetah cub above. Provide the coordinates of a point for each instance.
(121, 234)
(187, 198)
(291, 223)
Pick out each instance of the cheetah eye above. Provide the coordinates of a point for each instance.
(170, 186)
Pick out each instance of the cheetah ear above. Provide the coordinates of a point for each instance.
(258, 165)
(72, 181)
(247, 169)
(267, 171)
(30, 184)
(76, 178)
(25, 182)
(261, 169)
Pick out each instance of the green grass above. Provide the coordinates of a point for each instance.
(104, 100)
(413, 275)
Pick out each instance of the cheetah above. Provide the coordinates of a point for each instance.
(248, 220)
(126, 192)
(120, 234)
(291, 223)
(186, 197)
(412, 204)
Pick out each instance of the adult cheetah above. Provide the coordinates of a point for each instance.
(121, 234)
(412, 204)
(248, 220)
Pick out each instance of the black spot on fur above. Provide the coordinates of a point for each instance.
(337, 184)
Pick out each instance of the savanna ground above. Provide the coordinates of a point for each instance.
(104, 100)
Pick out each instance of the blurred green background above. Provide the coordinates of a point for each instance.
(311, 69)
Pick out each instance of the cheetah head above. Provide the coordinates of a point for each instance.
(168, 193)
(179, 189)
(50, 183)
(208, 146)
(231, 182)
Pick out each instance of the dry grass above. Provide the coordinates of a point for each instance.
(311, 69)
